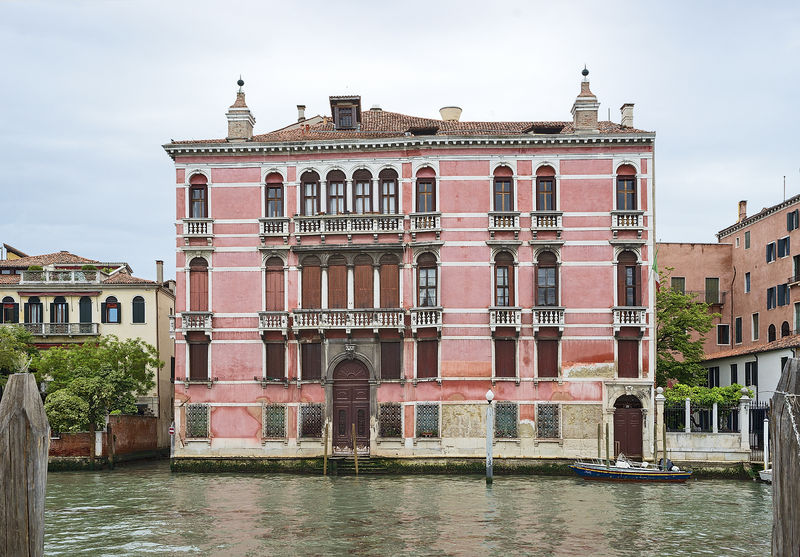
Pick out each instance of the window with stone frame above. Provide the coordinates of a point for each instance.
(427, 420)
(362, 192)
(198, 418)
(311, 282)
(546, 279)
(503, 189)
(390, 420)
(391, 356)
(626, 188)
(311, 418)
(506, 418)
(275, 360)
(548, 421)
(426, 280)
(198, 197)
(336, 192)
(388, 191)
(628, 283)
(10, 312)
(309, 193)
(273, 421)
(426, 190)
(504, 279)
(274, 195)
(311, 361)
(427, 358)
(505, 357)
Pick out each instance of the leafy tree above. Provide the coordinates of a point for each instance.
(66, 412)
(16, 351)
(681, 325)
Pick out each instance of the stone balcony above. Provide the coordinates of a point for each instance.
(274, 227)
(202, 229)
(504, 221)
(627, 220)
(273, 321)
(547, 316)
(348, 319)
(630, 316)
(422, 317)
(505, 317)
(546, 220)
(322, 225)
(425, 222)
(60, 276)
(196, 321)
(61, 329)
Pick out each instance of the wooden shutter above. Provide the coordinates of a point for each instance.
(363, 279)
(628, 358)
(85, 307)
(275, 289)
(198, 289)
(311, 355)
(26, 312)
(547, 357)
(390, 360)
(505, 358)
(275, 360)
(390, 285)
(15, 315)
(337, 286)
(198, 362)
(103, 312)
(52, 312)
(312, 290)
(427, 358)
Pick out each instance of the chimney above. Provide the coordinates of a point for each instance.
(627, 115)
(159, 271)
(240, 120)
(742, 210)
(450, 113)
(301, 112)
(584, 110)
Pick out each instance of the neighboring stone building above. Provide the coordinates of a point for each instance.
(382, 271)
(747, 277)
(73, 300)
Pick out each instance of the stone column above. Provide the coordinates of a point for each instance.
(323, 196)
(687, 427)
(376, 286)
(324, 286)
(714, 418)
(351, 287)
(658, 421)
(376, 196)
(349, 207)
(744, 419)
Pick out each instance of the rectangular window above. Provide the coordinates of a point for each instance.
(198, 361)
(197, 420)
(747, 240)
(311, 421)
(505, 356)
(746, 283)
(626, 193)
(771, 298)
(425, 198)
(310, 198)
(427, 358)
(345, 117)
(712, 291)
(362, 197)
(630, 285)
(335, 198)
(390, 359)
(274, 201)
(505, 420)
(275, 360)
(678, 284)
(770, 252)
(502, 195)
(783, 294)
(273, 421)
(546, 291)
(549, 426)
(427, 420)
(502, 286)
(737, 241)
(734, 374)
(723, 334)
(738, 330)
(795, 269)
(390, 419)
(34, 312)
(792, 220)
(545, 194)
(713, 377)
(547, 357)
(427, 287)
(751, 374)
(198, 206)
(783, 246)
(754, 326)
(628, 358)
(10, 312)
(388, 197)
(311, 361)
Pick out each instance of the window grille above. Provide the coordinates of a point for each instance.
(274, 421)
(549, 423)
(390, 419)
(505, 420)
(427, 420)
(198, 417)
(311, 420)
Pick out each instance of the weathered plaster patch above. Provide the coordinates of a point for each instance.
(591, 370)
(579, 421)
(463, 420)
(526, 428)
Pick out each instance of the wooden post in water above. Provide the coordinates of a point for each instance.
(24, 444)
(325, 452)
(599, 437)
(355, 448)
(608, 459)
(784, 430)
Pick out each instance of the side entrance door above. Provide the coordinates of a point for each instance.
(351, 407)
(628, 427)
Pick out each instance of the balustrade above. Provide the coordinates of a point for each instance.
(348, 319)
(198, 227)
(504, 221)
(61, 329)
(196, 320)
(546, 220)
(505, 317)
(61, 276)
(548, 316)
(624, 316)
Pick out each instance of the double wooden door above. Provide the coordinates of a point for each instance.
(351, 403)
(628, 432)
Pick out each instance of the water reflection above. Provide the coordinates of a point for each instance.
(145, 509)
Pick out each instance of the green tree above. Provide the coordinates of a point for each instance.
(16, 351)
(66, 412)
(681, 325)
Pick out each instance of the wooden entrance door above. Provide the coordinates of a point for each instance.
(350, 406)
(628, 426)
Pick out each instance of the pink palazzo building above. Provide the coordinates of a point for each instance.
(371, 275)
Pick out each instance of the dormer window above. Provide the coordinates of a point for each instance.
(346, 112)
(345, 119)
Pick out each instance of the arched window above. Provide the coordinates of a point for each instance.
(336, 180)
(138, 309)
(504, 279)
(771, 333)
(85, 309)
(59, 310)
(198, 197)
(363, 282)
(545, 189)
(337, 282)
(274, 193)
(390, 281)
(628, 284)
(110, 311)
(274, 284)
(362, 192)
(198, 284)
(426, 190)
(503, 189)
(310, 193)
(626, 188)
(546, 279)
(10, 312)
(785, 332)
(426, 280)
(34, 310)
(389, 194)
(311, 283)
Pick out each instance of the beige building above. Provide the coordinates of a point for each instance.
(63, 298)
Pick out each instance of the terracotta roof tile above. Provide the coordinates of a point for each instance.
(123, 277)
(46, 259)
(791, 341)
(9, 279)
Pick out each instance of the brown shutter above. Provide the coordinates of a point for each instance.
(198, 362)
(312, 289)
(505, 358)
(427, 358)
(628, 358)
(547, 357)
(311, 355)
(198, 290)
(390, 360)
(337, 286)
(275, 290)
(363, 279)
(390, 285)
(275, 355)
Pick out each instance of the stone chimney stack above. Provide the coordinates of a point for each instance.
(450, 113)
(742, 210)
(159, 271)
(627, 115)
(240, 120)
(301, 112)
(584, 111)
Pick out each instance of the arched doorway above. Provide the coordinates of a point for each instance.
(350, 406)
(628, 422)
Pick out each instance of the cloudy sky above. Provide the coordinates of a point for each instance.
(91, 90)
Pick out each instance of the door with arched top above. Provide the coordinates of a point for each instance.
(350, 407)
(628, 421)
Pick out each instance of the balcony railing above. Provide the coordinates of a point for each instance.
(172, 326)
(426, 317)
(197, 228)
(548, 316)
(348, 319)
(546, 220)
(505, 317)
(504, 221)
(60, 276)
(273, 226)
(794, 279)
(713, 297)
(627, 220)
(273, 321)
(196, 321)
(348, 224)
(626, 316)
(61, 329)
(425, 222)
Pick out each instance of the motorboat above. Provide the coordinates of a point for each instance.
(624, 470)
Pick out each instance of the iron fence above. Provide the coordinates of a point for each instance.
(728, 418)
(701, 418)
(675, 416)
(759, 411)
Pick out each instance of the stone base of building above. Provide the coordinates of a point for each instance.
(75, 463)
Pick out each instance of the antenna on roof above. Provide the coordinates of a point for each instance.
(784, 188)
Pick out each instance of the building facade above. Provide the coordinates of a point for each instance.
(62, 298)
(371, 275)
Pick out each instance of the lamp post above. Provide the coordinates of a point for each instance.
(489, 434)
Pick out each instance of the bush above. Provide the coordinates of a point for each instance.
(35, 268)
(706, 396)
(67, 412)
(88, 268)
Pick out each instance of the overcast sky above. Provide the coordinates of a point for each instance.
(91, 90)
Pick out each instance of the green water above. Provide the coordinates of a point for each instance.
(144, 509)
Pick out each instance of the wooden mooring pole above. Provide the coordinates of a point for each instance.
(355, 449)
(599, 437)
(325, 452)
(24, 444)
(785, 433)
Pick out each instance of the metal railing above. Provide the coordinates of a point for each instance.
(61, 276)
(196, 320)
(198, 227)
(426, 317)
(505, 317)
(62, 329)
(348, 224)
(713, 297)
(630, 315)
(548, 316)
(347, 318)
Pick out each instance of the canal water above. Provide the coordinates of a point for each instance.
(145, 509)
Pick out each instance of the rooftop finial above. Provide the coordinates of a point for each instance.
(240, 83)
(585, 72)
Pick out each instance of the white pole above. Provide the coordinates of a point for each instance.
(766, 443)
(489, 434)
(172, 441)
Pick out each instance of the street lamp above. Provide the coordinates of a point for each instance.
(489, 433)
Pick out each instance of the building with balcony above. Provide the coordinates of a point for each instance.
(371, 275)
(747, 277)
(62, 298)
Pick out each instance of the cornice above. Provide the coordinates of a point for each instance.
(757, 217)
